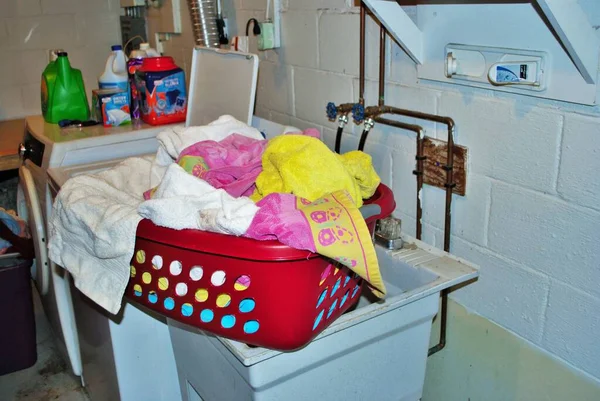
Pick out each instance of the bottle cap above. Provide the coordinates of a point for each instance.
(116, 47)
(61, 54)
(144, 46)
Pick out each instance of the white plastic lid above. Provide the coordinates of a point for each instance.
(221, 82)
(144, 46)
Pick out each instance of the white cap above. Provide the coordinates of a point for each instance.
(144, 46)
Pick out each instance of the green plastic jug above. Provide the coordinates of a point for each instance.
(63, 92)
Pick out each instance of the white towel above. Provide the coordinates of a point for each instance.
(174, 140)
(92, 229)
(184, 201)
(95, 216)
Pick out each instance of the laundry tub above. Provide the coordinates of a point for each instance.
(377, 351)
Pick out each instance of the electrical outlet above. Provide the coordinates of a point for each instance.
(434, 174)
(266, 40)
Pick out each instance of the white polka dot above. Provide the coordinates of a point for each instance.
(157, 262)
(175, 268)
(218, 278)
(196, 273)
(181, 289)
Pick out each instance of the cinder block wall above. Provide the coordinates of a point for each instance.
(531, 217)
(29, 28)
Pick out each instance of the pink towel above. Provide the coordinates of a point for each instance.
(279, 219)
(232, 164)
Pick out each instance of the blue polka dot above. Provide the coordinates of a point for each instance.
(137, 293)
(322, 297)
(247, 305)
(344, 298)
(169, 303)
(355, 290)
(318, 320)
(228, 321)
(206, 316)
(346, 280)
(187, 309)
(331, 308)
(251, 327)
(152, 297)
(336, 286)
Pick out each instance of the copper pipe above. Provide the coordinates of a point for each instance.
(449, 162)
(374, 111)
(361, 73)
(345, 108)
(417, 129)
(444, 316)
(449, 185)
(382, 33)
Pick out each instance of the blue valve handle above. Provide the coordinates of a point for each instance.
(358, 113)
(331, 111)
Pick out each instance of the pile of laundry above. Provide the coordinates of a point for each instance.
(224, 178)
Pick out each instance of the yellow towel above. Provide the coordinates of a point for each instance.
(304, 166)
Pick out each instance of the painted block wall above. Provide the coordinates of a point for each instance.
(29, 28)
(531, 217)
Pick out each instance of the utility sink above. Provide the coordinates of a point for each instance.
(376, 351)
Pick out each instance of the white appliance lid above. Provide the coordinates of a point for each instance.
(60, 175)
(221, 82)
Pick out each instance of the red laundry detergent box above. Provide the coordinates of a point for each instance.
(111, 106)
(161, 86)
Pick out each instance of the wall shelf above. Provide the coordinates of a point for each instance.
(558, 27)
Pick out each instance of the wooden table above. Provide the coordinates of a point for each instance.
(11, 134)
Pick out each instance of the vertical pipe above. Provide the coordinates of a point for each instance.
(361, 79)
(420, 171)
(382, 33)
(449, 185)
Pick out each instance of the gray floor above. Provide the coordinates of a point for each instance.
(49, 378)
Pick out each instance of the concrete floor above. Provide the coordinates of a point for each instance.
(49, 378)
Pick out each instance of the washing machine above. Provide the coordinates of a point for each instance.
(127, 356)
(80, 326)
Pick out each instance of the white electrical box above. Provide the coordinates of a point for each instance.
(485, 66)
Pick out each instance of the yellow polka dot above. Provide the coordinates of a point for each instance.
(140, 256)
(133, 271)
(201, 295)
(146, 278)
(223, 300)
(163, 283)
(137, 288)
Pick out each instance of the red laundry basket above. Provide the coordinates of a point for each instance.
(261, 293)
